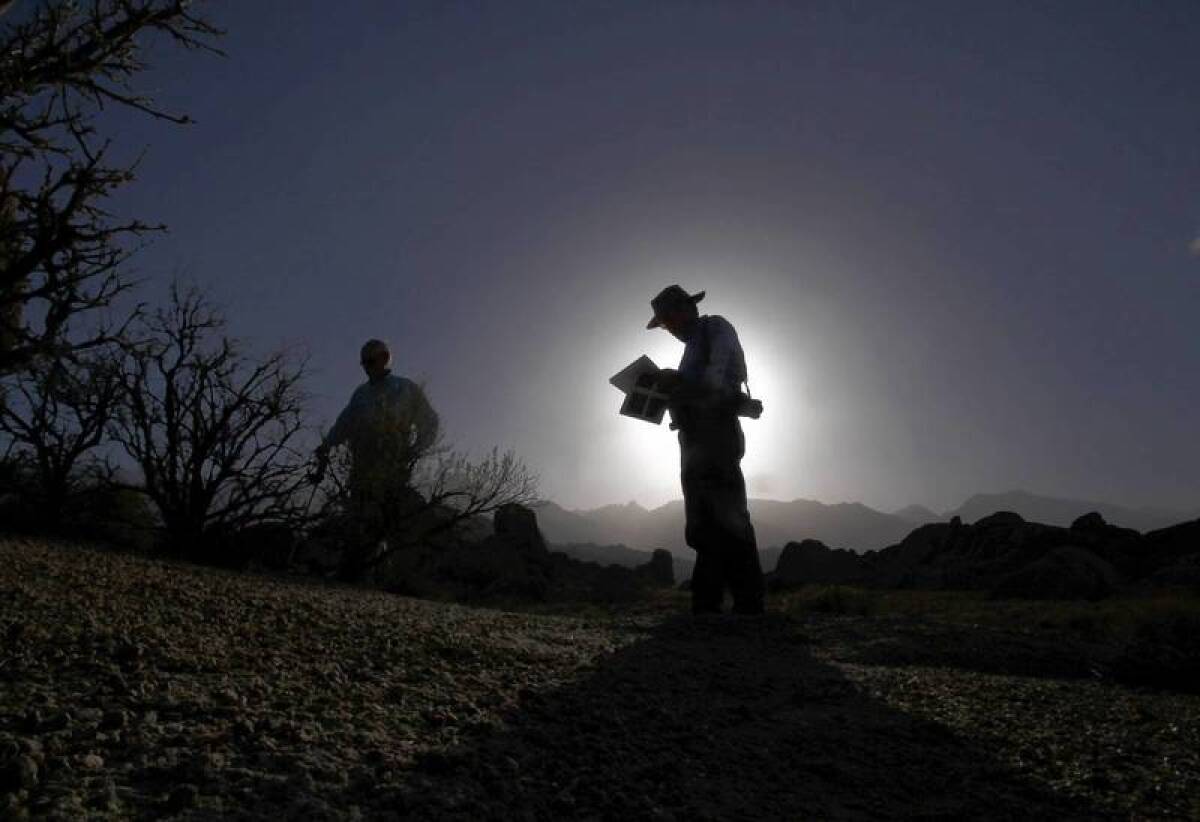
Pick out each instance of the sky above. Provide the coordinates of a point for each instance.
(960, 241)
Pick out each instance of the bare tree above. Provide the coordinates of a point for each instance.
(218, 436)
(54, 414)
(400, 489)
(61, 252)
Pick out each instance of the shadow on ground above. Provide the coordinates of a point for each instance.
(908, 642)
(718, 719)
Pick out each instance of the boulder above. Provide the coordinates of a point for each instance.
(965, 557)
(512, 562)
(896, 565)
(518, 525)
(1165, 547)
(811, 561)
(1000, 519)
(660, 570)
(1120, 546)
(1183, 573)
(1063, 573)
(1090, 523)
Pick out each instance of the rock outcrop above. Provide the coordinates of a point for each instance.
(1004, 554)
(515, 563)
(1063, 573)
(512, 562)
(812, 562)
(659, 572)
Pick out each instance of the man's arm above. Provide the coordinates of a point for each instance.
(425, 420)
(341, 426)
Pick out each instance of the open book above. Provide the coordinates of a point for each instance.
(637, 382)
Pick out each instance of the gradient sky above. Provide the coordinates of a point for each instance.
(960, 241)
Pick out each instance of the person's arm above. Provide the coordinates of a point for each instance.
(341, 426)
(425, 420)
(336, 435)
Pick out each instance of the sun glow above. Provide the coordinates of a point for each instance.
(629, 459)
(770, 443)
(772, 448)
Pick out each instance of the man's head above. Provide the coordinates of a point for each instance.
(376, 359)
(675, 310)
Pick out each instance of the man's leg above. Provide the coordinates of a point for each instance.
(708, 575)
(708, 587)
(741, 566)
(746, 580)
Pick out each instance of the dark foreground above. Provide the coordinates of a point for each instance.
(132, 688)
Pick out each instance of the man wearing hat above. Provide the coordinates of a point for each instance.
(706, 398)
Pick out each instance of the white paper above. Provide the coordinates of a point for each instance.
(642, 401)
(625, 379)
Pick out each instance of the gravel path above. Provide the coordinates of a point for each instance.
(138, 689)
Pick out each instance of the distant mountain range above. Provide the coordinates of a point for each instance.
(606, 534)
(1062, 512)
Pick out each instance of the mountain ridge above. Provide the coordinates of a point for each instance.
(850, 525)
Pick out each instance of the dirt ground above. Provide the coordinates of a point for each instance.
(132, 688)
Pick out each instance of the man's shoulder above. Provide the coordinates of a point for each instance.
(719, 326)
(397, 383)
(402, 388)
(390, 384)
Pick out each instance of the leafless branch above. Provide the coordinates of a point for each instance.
(61, 254)
(218, 436)
(54, 416)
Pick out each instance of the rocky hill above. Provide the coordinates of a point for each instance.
(917, 514)
(847, 525)
(853, 526)
(1005, 554)
(513, 563)
(1062, 512)
(623, 556)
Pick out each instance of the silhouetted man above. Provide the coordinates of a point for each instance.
(388, 426)
(706, 397)
(386, 405)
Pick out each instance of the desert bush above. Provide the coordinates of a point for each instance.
(218, 436)
(120, 517)
(1164, 651)
(53, 416)
(831, 599)
(1150, 640)
(401, 491)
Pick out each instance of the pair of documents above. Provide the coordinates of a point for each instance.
(637, 381)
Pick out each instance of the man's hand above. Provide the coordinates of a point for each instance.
(667, 380)
(316, 473)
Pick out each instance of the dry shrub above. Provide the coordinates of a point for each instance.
(831, 599)
(1163, 646)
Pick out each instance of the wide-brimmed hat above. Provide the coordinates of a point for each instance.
(671, 297)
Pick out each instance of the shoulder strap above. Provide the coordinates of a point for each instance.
(705, 342)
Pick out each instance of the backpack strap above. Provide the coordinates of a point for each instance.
(705, 342)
